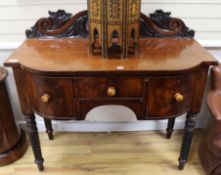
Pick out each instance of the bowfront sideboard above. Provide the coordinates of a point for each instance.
(60, 80)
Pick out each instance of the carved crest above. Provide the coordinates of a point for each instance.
(161, 24)
(62, 24)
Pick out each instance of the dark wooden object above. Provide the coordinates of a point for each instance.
(57, 78)
(210, 146)
(12, 140)
(170, 126)
(165, 80)
(62, 24)
(49, 128)
(34, 139)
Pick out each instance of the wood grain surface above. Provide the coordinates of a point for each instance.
(127, 153)
(72, 55)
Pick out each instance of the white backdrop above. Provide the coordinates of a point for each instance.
(18, 15)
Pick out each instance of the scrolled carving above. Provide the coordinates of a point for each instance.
(59, 18)
(175, 24)
(161, 18)
(161, 24)
(61, 24)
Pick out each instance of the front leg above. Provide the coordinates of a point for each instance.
(49, 129)
(35, 142)
(187, 139)
(170, 127)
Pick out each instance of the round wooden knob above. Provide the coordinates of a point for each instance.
(45, 98)
(111, 91)
(179, 97)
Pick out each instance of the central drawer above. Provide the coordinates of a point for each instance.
(117, 87)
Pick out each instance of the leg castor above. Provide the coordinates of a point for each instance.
(40, 165)
(181, 164)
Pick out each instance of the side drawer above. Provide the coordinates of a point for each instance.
(92, 87)
(169, 96)
(52, 97)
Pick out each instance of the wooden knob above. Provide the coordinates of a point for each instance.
(179, 97)
(111, 91)
(45, 98)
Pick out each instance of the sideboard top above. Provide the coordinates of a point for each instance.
(72, 55)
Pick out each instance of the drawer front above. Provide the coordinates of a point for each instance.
(169, 96)
(53, 97)
(110, 87)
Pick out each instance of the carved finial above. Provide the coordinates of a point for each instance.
(59, 18)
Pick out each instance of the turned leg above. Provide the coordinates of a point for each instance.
(35, 142)
(170, 126)
(187, 139)
(49, 128)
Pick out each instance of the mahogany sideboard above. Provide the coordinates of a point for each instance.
(59, 79)
(12, 140)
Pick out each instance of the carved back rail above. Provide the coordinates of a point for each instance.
(62, 24)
